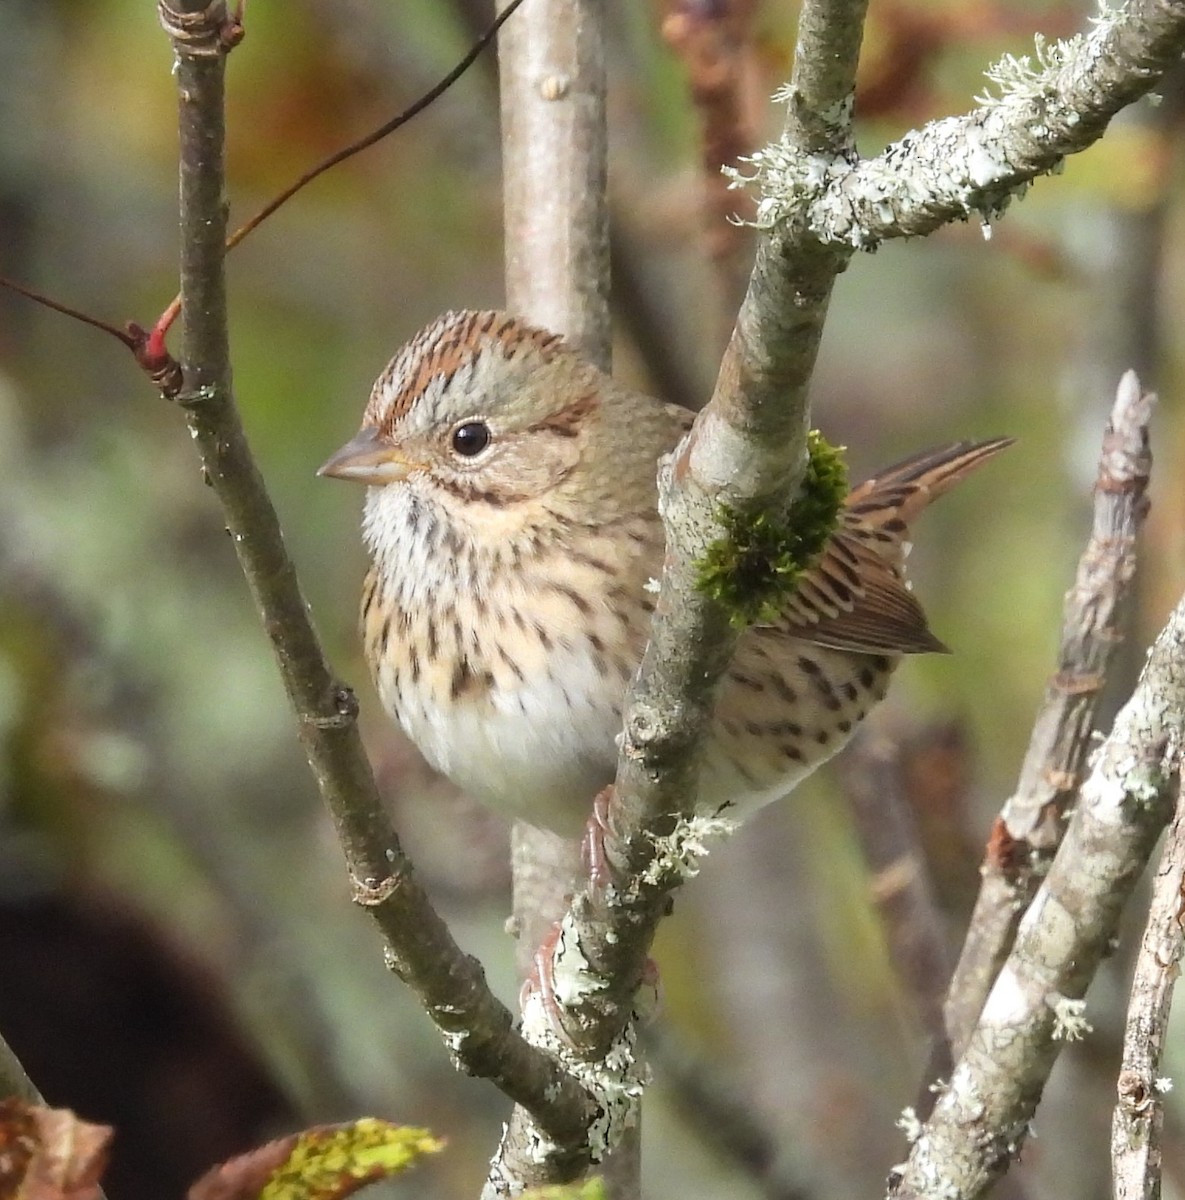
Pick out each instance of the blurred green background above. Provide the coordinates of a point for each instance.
(178, 954)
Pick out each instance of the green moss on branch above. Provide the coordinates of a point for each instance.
(755, 567)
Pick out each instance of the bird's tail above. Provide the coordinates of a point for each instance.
(896, 495)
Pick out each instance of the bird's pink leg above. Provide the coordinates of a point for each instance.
(592, 847)
(541, 979)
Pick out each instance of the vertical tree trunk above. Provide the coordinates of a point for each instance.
(555, 150)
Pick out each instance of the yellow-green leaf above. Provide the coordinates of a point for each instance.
(589, 1189)
(327, 1162)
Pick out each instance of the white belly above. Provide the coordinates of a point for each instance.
(537, 753)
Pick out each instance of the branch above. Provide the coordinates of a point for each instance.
(899, 877)
(722, 1118)
(974, 165)
(554, 162)
(717, 43)
(749, 443)
(450, 985)
(1137, 1127)
(1030, 826)
(982, 1118)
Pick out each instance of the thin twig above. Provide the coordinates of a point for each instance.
(716, 43)
(377, 135)
(898, 875)
(1138, 1124)
(722, 1117)
(450, 985)
(67, 311)
(981, 1120)
(1027, 832)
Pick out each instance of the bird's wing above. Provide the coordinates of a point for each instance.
(855, 596)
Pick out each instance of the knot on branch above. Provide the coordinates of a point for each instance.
(1135, 1096)
(345, 711)
(153, 357)
(1004, 854)
(371, 893)
(208, 33)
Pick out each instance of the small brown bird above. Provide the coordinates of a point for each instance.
(512, 520)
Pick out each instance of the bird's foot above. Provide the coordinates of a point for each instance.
(592, 846)
(540, 982)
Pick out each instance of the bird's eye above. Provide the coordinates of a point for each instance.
(471, 438)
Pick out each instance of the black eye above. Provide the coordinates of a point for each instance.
(471, 438)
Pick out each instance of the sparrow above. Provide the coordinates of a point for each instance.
(511, 516)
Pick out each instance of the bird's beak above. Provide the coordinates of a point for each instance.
(369, 459)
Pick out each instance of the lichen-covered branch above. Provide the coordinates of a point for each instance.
(1138, 1124)
(1031, 823)
(747, 452)
(974, 165)
(982, 1117)
(451, 985)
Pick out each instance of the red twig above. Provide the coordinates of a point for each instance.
(148, 345)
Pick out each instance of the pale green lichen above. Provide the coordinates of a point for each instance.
(677, 855)
(1069, 1018)
(977, 163)
(754, 568)
(910, 1124)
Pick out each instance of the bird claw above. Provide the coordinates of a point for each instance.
(540, 981)
(592, 846)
